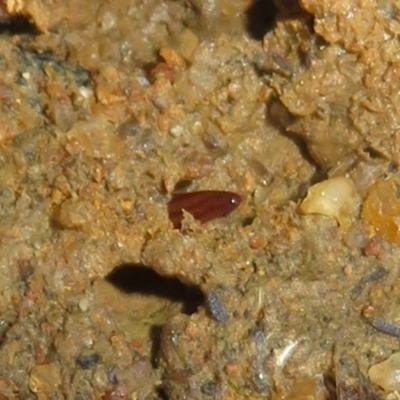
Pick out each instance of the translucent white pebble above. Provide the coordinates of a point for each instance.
(387, 373)
(335, 197)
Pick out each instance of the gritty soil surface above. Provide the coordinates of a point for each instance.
(107, 109)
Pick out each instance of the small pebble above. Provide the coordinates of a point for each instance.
(384, 326)
(374, 248)
(88, 361)
(44, 379)
(387, 373)
(216, 307)
(209, 388)
(83, 304)
(232, 368)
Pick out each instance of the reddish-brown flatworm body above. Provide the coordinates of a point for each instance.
(203, 205)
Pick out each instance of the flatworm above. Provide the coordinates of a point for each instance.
(203, 205)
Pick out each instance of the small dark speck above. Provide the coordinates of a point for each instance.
(182, 184)
(88, 361)
(112, 376)
(393, 168)
(216, 307)
(248, 221)
(209, 388)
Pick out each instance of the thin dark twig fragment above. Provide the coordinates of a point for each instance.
(374, 276)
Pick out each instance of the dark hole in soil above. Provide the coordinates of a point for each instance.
(260, 18)
(161, 394)
(15, 25)
(248, 220)
(137, 278)
(155, 335)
